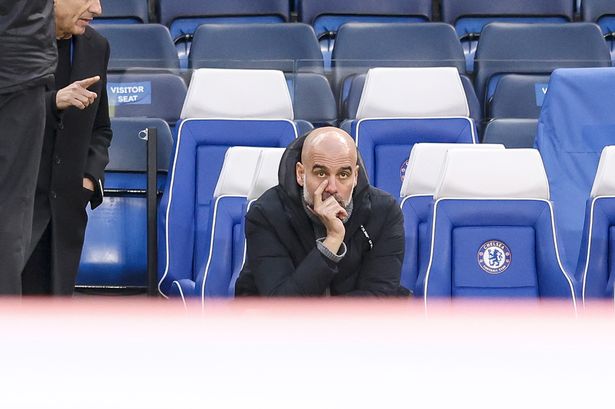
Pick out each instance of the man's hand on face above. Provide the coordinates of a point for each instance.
(331, 213)
(77, 94)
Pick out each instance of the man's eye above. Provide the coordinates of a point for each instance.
(321, 174)
(344, 175)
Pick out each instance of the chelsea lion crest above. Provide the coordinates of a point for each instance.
(494, 257)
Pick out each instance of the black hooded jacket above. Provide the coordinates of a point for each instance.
(282, 258)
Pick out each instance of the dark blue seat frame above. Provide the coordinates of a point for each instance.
(114, 253)
(287, 47)
(360, 46)
(470, 16)
(146, 46)
(123, 12)
(510, 132)
(507, 48)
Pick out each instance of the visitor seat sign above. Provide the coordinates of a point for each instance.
(129, 93)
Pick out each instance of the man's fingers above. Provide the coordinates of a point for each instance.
(318, 192)
(88, 82)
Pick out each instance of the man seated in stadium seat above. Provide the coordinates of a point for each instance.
(323, 230)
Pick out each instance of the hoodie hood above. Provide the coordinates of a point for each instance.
(288, 180)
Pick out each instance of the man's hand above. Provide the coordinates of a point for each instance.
(331, 213)
(77, 94)
(88, 184)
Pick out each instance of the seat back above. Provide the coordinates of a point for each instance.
(223, 108)
(360, 46)
(115, 247)
(601, 12)
(326, 16)
(403, 106)
(313, 99)
(507, 48)
(286, 47)
(512, 133)
(420, 182)
(158, 95)
(492, 233)
(469, 17)
(123, 12)
(145, 46)
(596, 267)
(518, 96)
(575, 124)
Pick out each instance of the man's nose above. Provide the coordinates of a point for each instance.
(332, 185)
(95, 8)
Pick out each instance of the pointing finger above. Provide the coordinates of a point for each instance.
(88, 82)
(318, 192)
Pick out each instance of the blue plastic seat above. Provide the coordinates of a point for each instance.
(223, 108)
(114, 253)
(185, 16)
(420, 182)
(576, 123)
(470, 16)
(535, 49)
(123, 12)
(596, 268)
(313, 99)
(492, 233)
(510, 132)
(144, 46)
(601, 12)
(287, 47)
(327, 16)
(360, 46)
(518, 96)
(403, 106)
(158, 95)
(232, 195)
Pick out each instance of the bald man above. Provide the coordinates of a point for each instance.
(323, 230)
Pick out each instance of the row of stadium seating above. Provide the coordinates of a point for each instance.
(532, 51)
(326, 17)
(226, 108)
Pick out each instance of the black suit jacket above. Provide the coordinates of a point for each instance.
(76, 146)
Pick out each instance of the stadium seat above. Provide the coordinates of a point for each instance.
(145, 46)
(470, 16)
(602, 12)
(492, 231)
(360, 46)
(512, 133)
(123, 12)
(351, 104)
(290, 47)
(576, 123)
(403, 106)
(313, 99)
(115, 249)
(231, 196)
(185, 16)
(518, 96)
(537, 49)
(596, 268)
(223, 108)
(420, 182)
(158, 95)
(327, 16)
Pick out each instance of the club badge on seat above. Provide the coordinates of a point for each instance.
(494, 257)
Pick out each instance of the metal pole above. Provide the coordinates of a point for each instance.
(152, 213)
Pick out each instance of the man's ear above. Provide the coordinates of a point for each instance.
(356, 176)
(299, 173)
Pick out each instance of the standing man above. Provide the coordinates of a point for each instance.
(27, 62)
(75, 151)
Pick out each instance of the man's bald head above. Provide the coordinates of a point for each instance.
(328, 154)
(329, 139)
